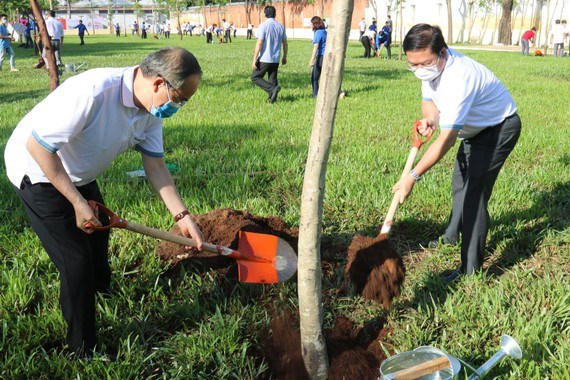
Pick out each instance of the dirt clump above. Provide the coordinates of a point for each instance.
(375, 269)
(353, 353)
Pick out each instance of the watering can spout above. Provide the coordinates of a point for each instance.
(78, 67)
(509, 347)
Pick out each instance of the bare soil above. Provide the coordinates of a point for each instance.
(375, 269)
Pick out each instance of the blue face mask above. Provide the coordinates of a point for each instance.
(166, 110)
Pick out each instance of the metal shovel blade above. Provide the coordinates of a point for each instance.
(278, 264)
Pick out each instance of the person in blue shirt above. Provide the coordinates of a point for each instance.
(5, 39)
(319, 43)
(383, 39)
(270, 36)
(81, 28)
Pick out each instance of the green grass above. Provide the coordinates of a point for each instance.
(194, 326)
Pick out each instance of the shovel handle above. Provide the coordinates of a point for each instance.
(117, 221)
(418, 142)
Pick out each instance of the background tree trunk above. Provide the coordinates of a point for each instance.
(50, 55)
(450, 21)
(505, 29)
(313, 345)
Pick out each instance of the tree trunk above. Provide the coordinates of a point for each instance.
(505, 30)
(450, 21)
(313, 345)
(50, 55)
(463, 13)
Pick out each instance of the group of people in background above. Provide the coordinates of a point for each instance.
(556, 37)
(374, 39)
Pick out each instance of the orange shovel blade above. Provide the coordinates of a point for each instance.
(278, 263)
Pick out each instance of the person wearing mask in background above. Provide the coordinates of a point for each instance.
(270, 37)
(81, 29)
(319, 43)
(94, 117)
(526, 39)
(55, 32)
(468, 102)
(5, 47)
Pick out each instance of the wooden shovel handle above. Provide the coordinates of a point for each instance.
(116, 221)
(422, 369)
(418, 142)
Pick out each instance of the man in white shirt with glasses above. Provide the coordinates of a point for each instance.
(70, 138)
(468, 102)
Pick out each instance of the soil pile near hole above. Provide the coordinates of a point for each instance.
(222, 227)
(375, 269)
(353, 353)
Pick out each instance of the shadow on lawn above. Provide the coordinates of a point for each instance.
(521, 232)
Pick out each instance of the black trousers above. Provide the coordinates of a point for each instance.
(208, 37)
(249, 34)
(367, 46)
(80, 258)
(81, 36)
(228, 35)
(479, 160)
(316, 74)
(257, 76)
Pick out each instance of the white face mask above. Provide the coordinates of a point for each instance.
(427, 73)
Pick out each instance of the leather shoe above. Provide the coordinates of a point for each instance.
(274, 93)
(453, 276)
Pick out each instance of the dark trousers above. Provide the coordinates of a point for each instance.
(208, 37)
(367, 46)
(80, 258)
(81, 36)
(479, 160)
(258, 74)
(317, 68)
(143, 34)
(228, 35)
(249, 34)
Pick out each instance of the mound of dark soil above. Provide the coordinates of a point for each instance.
(375, 269)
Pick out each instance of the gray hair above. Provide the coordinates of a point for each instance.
(173, 64)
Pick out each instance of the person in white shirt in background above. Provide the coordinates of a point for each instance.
(362, 27)
(557, 39)
(55, 32)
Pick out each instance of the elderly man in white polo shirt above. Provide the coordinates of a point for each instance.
(66, 141)
(270, 36)
(468, 102)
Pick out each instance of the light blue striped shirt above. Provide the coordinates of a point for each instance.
(273, 34)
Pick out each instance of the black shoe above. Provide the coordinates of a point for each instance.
(440, 242)
(274, 93)
(453, 276)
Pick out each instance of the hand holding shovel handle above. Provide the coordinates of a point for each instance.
(418, 142)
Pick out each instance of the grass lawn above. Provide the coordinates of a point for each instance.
(236, 151)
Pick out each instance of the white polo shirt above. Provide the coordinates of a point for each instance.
(89, 120)
(468, 95)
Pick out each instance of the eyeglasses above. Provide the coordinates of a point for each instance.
(179, 101)
(416, 67)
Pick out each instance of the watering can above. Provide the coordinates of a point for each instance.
(427, 363)
(73, 67)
